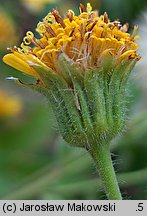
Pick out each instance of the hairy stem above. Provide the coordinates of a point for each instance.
(102, 159)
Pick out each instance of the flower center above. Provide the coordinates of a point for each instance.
(86, 39)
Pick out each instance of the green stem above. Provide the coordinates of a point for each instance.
(102, 158)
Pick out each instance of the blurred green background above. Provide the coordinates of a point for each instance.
(35, 163)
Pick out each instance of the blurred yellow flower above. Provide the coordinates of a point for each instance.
(87, 39)
(37, 5)
(7, 31)
(9, 105)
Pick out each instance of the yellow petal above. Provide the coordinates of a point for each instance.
(19, 64)
(29, 59)
(125, 55)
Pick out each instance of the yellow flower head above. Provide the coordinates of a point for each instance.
(86, 39)
(82, 65)
(9, 105)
